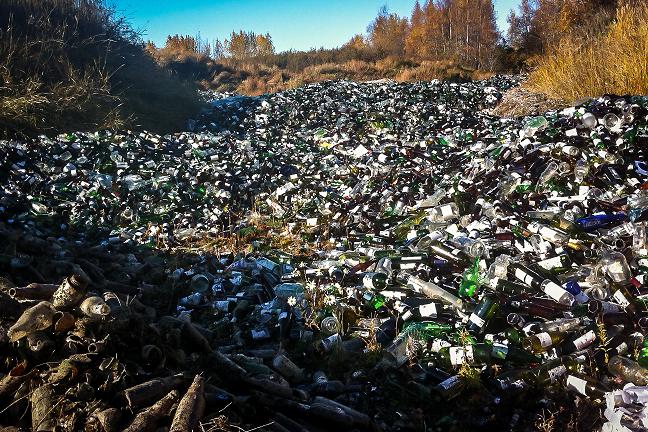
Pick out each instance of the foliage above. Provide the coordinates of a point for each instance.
(387, 34)
(575, 68)
(539, 25)
(460, 30)
(244, 45)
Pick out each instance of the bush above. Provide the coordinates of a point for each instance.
(591, 63)
(73, 65)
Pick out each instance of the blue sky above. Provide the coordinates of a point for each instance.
(293, 24)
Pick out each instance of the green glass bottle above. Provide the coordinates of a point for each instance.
(509, 353)
(454, 356)
(470, 280)
(403, 228)
(643, 355)
(373, 301)
(510, 287)
(485, 310)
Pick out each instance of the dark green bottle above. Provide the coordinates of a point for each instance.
(484, 311)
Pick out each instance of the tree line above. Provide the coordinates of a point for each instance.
(240, 45)
(462, 31)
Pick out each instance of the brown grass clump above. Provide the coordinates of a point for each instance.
(266, 233)
(589, 63)
(521, 101)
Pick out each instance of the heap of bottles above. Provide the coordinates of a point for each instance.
(488, 272)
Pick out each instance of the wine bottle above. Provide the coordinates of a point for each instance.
(541, 342)
(485, 310)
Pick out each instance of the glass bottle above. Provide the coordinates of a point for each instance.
(433, 291)
(549, 372)
(628, 370)
(541, 342)
(485, 310)
(470, 280)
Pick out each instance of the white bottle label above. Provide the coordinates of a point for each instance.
(459, 355)
(523, 276)
(477, 320)
(367, 281)
(556, 372)
(447, 210)
(555, 291)
(549, 234)
(437, 344)
(428, 310)
(550, 263)
(621, 299)
(577, 384)
(585, 340)
(545, 339)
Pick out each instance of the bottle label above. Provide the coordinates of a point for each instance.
(554, 291)
(437, 344)
(556, 372)
(577, 384)
(500, 351)
(585, 340)
(283, 315)
(621, 299)
(609, 307)
(479, 322)
(550, 234)
(459, 355)
(428, 310)
(545, 339)
(261, 334)
(446, 210)
(523, 276)
(622, 348)
(550, 263)
(449, 383)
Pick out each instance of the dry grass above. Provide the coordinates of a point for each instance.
(545, 422)
(521, 101)
(591, 63)
(267, 233)
(269, 74)
(69, 65)
(602, 335)
(258, 79)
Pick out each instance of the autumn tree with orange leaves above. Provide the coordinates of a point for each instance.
(540, 24)
(460, 30)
